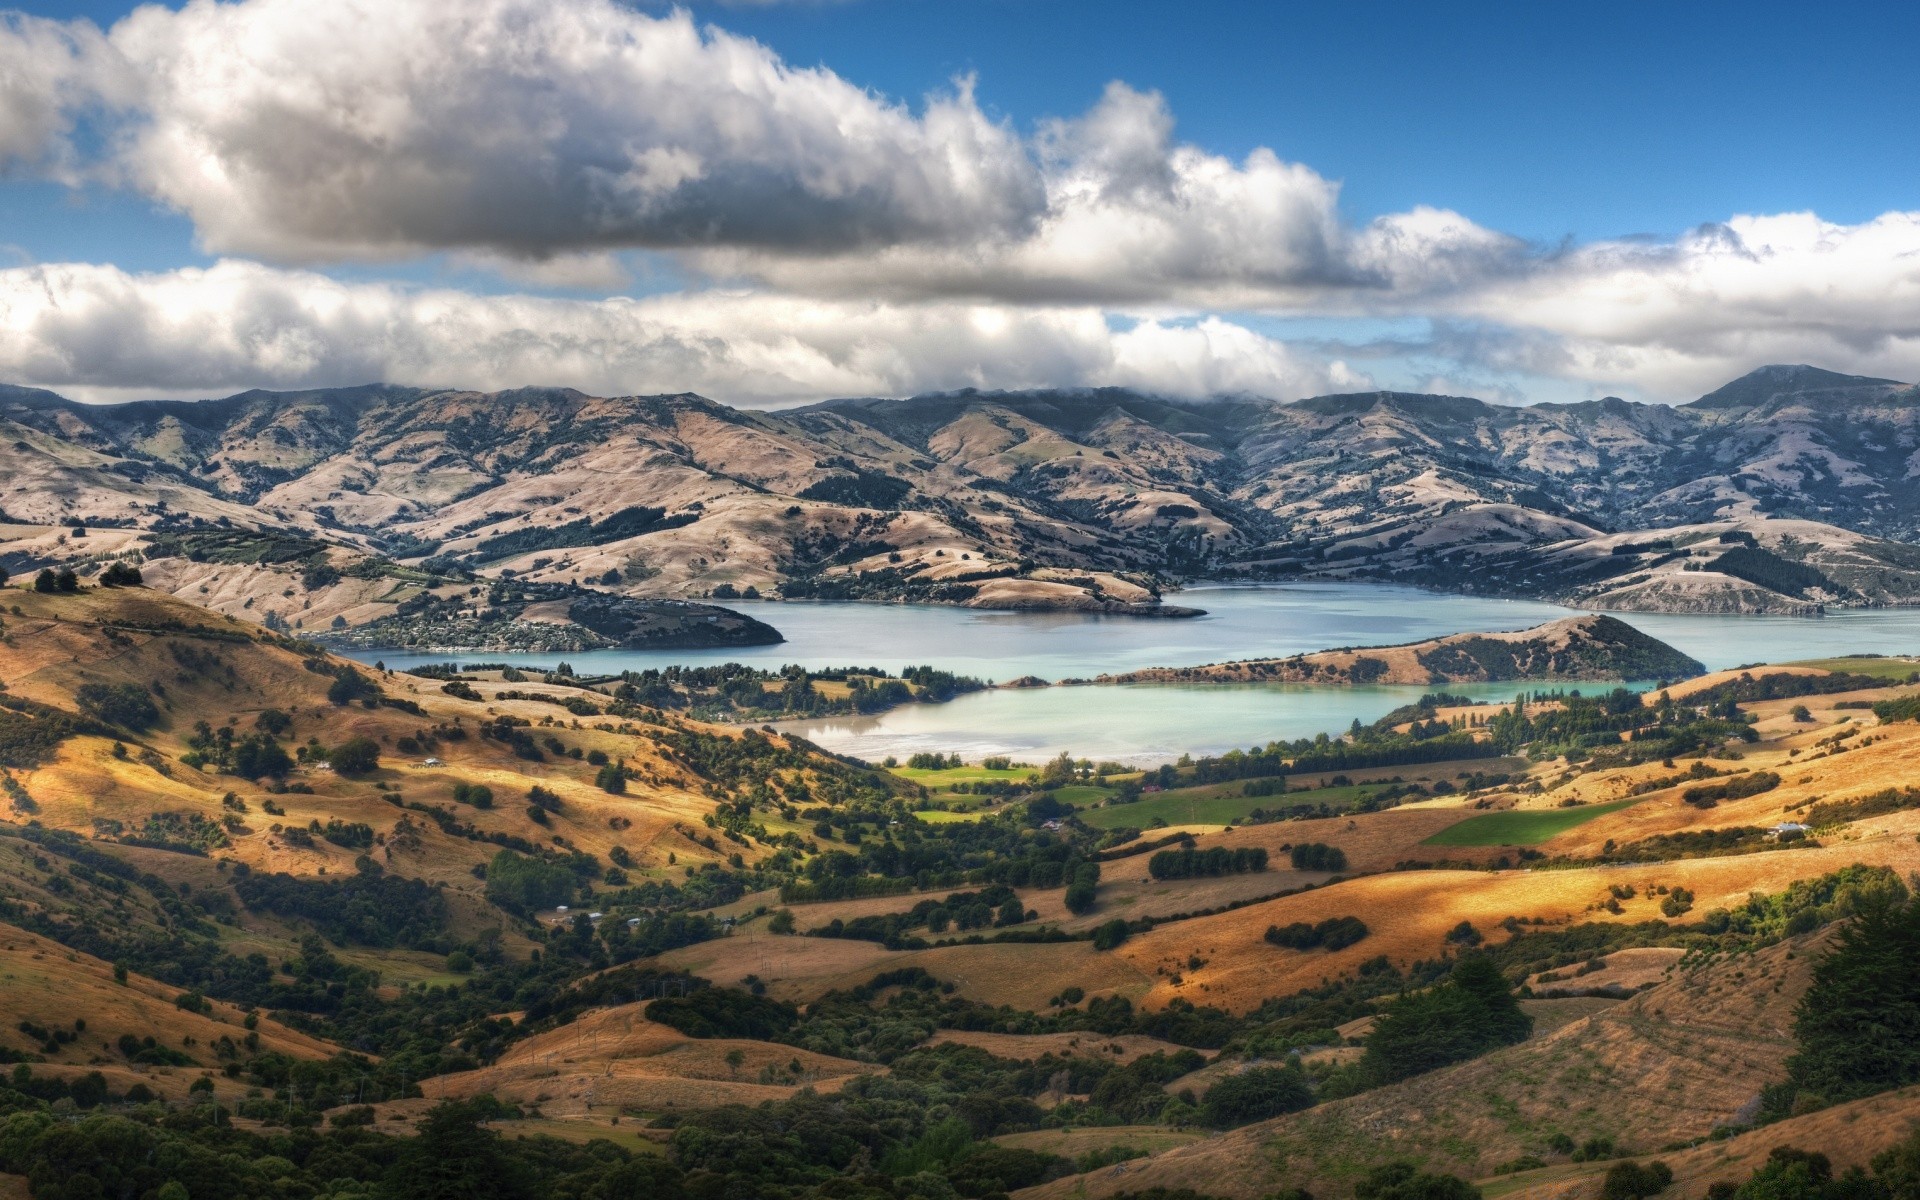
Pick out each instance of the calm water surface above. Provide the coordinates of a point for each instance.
(1147, 724)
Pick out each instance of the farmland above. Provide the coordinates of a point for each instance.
(1521, 827)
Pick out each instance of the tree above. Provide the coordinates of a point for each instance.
(1859, 1023)
(453, 1158)
(355, 756)
(122, 704)
(1635, 1181)
(521, 885)
(121, 574)
(66, 581)
(1401, 1181)
(1256, 1095)
(1082, 891)
(611, 779)
(46, 581)
(1470, 1014)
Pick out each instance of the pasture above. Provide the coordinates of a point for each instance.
(1521, 827)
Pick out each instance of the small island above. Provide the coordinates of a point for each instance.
(1592, 647)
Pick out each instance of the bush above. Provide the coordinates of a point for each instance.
(724, 1013)
(1401, 1181)
(355, 756)
(1334, 933)
(521, 885)
(122, 704)
(1632, 1181)
(1081, 892)
(1256, 1095)
(1109, 934)
(1197, 864)
(611, 779)
(1317, 856)
(478, 795)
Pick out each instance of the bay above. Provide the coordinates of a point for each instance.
(1155, 723)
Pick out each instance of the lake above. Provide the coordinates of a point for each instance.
(1154, 723)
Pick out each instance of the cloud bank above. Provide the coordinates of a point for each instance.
(100, 332)
(842, 242)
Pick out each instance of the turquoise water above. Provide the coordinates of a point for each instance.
(1152, 723)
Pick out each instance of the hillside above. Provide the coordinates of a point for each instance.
(1593, 647)
(1782, 492)
(352, 898)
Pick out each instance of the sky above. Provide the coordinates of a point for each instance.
(777, 202)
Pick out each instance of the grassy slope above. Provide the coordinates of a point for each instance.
(1521, 827)
(1704, 1042)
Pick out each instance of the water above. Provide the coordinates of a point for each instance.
(1153, 723)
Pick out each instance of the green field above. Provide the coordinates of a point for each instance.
(1527, 827)
(1217, 805)
(1895, 670)
(938, 816)
(943, 779)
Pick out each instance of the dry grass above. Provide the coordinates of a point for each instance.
(1024, 1046)
(1668, 1064)
(1410, 913)
(51, 986)
(614, 1058)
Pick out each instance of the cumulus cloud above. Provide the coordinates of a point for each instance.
(546, 139)
(304, 131)
(101, 332)
(1680, 318)
(308, 132)
(49, 71)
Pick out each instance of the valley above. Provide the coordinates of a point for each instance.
(366, 909)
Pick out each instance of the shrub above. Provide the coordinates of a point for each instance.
(478, 795)
(1633, 1181)
(521, 884)
(611, 779)
(355, 756)
(1737, 788)
(1402, 1181)
(724, 1013)
(122, 704)
(1256, 1095)
(1189, 863)
(1081, 891)
(1317, 856)
(1334, 933)
(1109, 934)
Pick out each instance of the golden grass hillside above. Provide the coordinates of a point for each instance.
(1678, 1059)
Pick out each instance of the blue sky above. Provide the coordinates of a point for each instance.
(1565, 138)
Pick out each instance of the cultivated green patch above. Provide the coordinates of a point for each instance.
(1522, 827)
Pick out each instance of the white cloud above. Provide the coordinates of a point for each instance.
(98, 332)
(48, 71)
(525, 130)
(544, 139)
(305, 131)
(1680, 318)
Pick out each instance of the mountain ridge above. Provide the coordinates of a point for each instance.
(1096, 499)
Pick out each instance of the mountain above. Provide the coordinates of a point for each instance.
(1785, 491)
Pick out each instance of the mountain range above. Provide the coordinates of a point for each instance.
(1788, 490)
